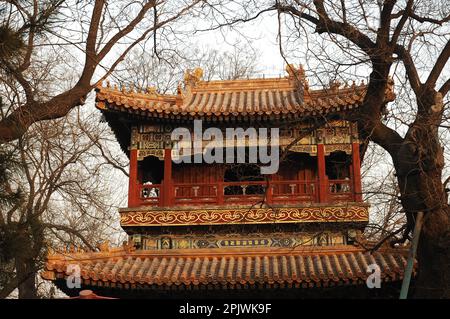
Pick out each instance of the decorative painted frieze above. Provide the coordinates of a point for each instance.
(350, 213)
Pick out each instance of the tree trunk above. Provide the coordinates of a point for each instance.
(26, 273)
(419, 163)
(30, 237)
(433, 254)
(433, 279)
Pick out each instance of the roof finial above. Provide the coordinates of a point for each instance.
(104, 246)
(191, 78)
(334, 85)
(294, 72)
(296, 75)
(128, 246)
(306, 84)
(151, 90)
(51, 251)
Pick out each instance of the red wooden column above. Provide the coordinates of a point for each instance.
(269, 192)
(220, 194)
(167, 186)
(133, 189)
(323, 181)
(357, 189)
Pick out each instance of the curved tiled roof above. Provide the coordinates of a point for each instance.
(303, 266)
(265, 98)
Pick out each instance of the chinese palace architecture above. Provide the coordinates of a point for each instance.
(224, 229)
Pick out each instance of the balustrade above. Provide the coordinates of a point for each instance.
(276, 192)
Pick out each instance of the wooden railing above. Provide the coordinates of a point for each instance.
(340, 190)
(244, 192)
(272, 192)
(195, 193)
(150, 194)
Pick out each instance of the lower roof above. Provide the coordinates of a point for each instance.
(319, 266)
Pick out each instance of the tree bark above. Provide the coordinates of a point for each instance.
(27, 254)
(423, 191)
(433, 279)
(26, 273)
(419, 163)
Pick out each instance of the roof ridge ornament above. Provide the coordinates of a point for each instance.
(294, 72)
(128, 246)
(151, 90)
(334, 85)
(104, 246)
(296, 76)
(191, 79)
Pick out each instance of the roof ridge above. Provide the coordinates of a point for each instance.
(214, 252)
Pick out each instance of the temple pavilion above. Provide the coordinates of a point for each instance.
(224, 228)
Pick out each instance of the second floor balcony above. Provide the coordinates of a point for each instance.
(301, 179)
(244, 193)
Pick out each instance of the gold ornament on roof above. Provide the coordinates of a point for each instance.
(296, 76)
(128, 246)
(191, 78)
(104, 246)
(306, 84)
(51, 251)
(151, 90)
(295, 72)
(334, 85)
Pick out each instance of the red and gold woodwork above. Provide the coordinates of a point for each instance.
(228, 216)
(207, 183)
(196, 224)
